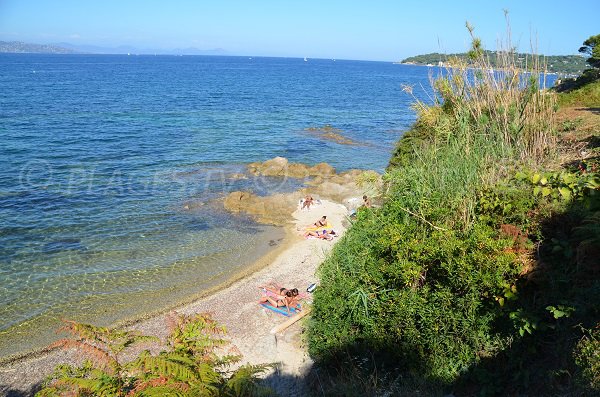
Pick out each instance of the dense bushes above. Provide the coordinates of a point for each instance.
(430, 296)
(440, 286)
(585, 93)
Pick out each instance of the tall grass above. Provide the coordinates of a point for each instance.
(484, 122)
(503, 104)
(418, 278)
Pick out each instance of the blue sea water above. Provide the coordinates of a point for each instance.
(111, 167)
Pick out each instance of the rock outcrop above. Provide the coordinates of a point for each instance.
(345, 188)
(280, 166)
(273, 209)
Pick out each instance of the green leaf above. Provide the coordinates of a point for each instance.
(535, 178)
(593, 183)
(569, 178)
(520, 175)
(546, 191)
(565, 192)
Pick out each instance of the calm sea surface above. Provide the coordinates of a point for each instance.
(111, 167)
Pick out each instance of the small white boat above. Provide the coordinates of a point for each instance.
(305, 60)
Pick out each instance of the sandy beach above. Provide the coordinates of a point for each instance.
(248, 324)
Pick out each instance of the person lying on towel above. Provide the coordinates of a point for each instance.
(280, 297)
(322, 234)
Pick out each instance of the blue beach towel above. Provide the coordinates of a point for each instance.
(281, 310)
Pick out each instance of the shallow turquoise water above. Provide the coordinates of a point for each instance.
(102, 154)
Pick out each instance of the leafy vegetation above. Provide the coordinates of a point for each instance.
(591, 47)
(567, 64)
(587, 357)
(189, 367)
(583, 92)
(588, 93)
(477, 269)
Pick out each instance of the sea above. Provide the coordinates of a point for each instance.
(113, 170)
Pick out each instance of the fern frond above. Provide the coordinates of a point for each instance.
(134, 339)
(179, 358)
(243, 381)
(77, 386)
(97, 356)
(208, 374)
(191, 367)
(162, 391)
(158, 384)
(228, 360)
(205, 390)
(160, 366)
(85, 331)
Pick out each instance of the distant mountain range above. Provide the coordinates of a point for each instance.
(68, 48)
(20, 47)
(569, 64)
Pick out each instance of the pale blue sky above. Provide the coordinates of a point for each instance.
(371, 30)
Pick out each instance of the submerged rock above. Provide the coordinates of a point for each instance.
(332, 134)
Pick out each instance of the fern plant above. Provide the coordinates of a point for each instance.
(102, 374)
(189, 367)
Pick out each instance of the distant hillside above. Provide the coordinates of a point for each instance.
(569, 64)
(127, 49)
(67, 48)
(20, 47)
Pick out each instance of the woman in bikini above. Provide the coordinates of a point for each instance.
(322, 234)
(280, 297)
(321, 222)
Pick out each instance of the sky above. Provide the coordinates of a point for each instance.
(382, 30)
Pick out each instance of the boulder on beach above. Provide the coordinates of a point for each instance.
(274, 209)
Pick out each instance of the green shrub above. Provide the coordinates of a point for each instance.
(587, 358)
(427, 283)
(428, 295)
(190, 366)
(585, 92)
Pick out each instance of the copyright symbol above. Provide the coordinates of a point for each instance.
(270, 184)
(36, 174)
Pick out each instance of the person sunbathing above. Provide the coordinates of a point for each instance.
(281, 291)
(280, 297)
(321, 222)
(322, 234)
(308, 201)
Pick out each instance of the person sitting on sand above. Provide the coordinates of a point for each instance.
(366, 202)
(280, 297)
(308, 201)
(322, 234)
(321, 222)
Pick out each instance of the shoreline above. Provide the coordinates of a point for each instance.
(234, 304)
(131, 321)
